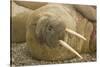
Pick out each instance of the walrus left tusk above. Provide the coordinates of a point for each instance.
(75, 33)
(64, 44)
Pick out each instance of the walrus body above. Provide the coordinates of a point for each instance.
(18, 22)
(87, 11)
(31, 5)
(53, 14)
(36, 29)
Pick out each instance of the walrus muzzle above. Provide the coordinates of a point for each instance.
(49, 30)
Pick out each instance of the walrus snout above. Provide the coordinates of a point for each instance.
(50, 30)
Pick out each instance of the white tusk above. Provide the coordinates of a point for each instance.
(70, 48)
(75, 33)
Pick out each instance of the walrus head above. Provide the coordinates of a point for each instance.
(51, 31)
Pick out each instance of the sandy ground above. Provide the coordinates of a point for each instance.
(20, 55)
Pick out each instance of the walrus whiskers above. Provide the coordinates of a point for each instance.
(64, 44)
(75, 33)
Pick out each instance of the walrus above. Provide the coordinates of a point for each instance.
(52, 30)
(56, 32)
(19, 17)
(87, 11)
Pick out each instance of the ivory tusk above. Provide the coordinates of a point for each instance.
(64, 44)
(75, 33)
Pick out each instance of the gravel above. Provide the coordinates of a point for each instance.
(21, 56)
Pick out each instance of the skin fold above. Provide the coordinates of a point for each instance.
(88, 11)
(30, 5)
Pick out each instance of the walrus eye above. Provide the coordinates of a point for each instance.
(50, 28)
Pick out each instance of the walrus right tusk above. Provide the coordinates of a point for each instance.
(75, 33)
(70, 48)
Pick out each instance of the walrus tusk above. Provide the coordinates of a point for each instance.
(75, 33)
(64, 44)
